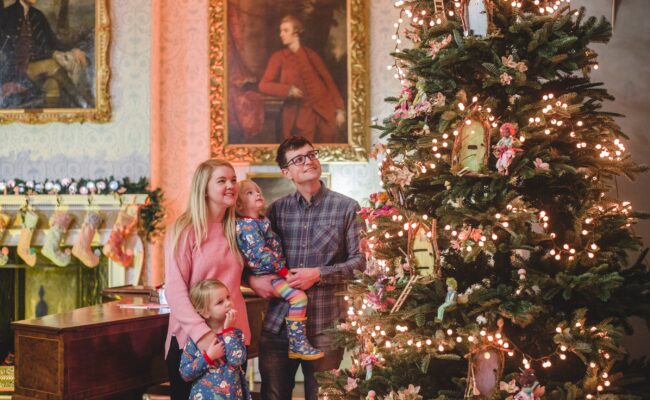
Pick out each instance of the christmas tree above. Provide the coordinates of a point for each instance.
(498, 254)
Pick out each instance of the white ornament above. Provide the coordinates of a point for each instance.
(477, 18)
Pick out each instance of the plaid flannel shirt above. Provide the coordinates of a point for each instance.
(323, 234)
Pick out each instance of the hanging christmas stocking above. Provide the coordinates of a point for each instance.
(4, 252)
(59, 224)
(28, 224)
(81, 248)
(114, 248)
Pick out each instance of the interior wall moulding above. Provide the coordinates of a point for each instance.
(262, 92)
(66, 79)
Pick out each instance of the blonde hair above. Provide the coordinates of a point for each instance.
(196, 214)
(240, 186)
(200, 293)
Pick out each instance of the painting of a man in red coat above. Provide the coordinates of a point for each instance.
(287, 71)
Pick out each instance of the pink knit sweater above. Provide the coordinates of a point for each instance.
(214, 260)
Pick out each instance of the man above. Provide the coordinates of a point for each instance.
(313, 107)
(27, 44)
(320, 237)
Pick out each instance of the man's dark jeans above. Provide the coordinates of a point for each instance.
(279, 371)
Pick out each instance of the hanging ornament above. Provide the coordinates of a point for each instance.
(423, 252)
(476, 16)
(505, 149)
(450, 298)
(484, 372)
(470, 148)
(437, 45)
(530, 388)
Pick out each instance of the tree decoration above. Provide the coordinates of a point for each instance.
(530, 387)
(536, 246)
(476, 17)
(471, 148)
(450, 298)
(505, 149)
(423, 252)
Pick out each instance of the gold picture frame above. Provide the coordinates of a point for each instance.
(274, 185)
(353, 148)
(84, 96)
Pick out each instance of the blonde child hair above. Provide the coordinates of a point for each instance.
(196, 213)
(200, 293)
(240, 186)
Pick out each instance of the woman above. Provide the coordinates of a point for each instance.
(202, 244)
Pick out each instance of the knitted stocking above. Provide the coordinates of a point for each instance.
(28, 223)
(59, 224)
(81, 248)
(4, 224)
(113, 249)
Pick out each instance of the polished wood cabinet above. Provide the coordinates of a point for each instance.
(98, 352)
(93, 352)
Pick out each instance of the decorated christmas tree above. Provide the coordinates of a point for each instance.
(499, 258)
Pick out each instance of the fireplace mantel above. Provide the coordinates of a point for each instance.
(108, 205)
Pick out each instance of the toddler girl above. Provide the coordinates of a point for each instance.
(262, 253)
(217, 372)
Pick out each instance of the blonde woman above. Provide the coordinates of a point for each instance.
(201, 244)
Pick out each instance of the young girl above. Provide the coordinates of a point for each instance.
(201, 244)
(262, 253)
(215, 376)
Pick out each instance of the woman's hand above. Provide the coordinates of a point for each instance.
(262, 285)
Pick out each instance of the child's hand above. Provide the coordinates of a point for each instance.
(231, 318)
(216, 350)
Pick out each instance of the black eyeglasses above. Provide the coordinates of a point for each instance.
(301, 159)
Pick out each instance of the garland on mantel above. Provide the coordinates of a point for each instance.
(151, 213)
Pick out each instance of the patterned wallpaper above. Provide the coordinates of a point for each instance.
(121, 147)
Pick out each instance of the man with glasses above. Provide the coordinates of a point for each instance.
(320, 237)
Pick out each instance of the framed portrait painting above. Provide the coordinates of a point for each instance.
(280, 68)
(54, 61)
(274, 185)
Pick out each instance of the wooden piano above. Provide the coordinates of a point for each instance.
(98, 352)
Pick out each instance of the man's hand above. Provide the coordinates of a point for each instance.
(340, 118)
(295, 92)
(231, 318)
(262, 285)
(303, 278)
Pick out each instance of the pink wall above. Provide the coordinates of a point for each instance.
(180, 110)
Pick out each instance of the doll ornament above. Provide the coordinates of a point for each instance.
(530, 388)
(450, 298)
(505, 150)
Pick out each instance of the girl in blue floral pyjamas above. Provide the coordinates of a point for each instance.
(217, 373)
(263, 255)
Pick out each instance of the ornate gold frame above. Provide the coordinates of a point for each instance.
(326, 177)
(102, 110)
(356, 150)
